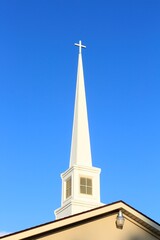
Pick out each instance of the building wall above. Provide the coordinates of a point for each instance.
(103, 229)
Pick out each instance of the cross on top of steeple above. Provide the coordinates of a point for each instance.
(80, 46)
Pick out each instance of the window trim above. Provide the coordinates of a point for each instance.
(88, 188)
(68, 187)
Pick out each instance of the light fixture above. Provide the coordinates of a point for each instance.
(120, 220)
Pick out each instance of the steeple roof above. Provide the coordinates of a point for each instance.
(80, 147)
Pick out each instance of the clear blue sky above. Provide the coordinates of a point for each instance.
(38, 64)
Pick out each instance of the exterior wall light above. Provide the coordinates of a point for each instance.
(120, 220)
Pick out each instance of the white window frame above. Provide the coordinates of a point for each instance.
(85, 187)
(68, 184)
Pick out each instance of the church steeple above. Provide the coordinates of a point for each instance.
(80, 148)
(81, 182)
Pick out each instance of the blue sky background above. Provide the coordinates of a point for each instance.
(38, 65)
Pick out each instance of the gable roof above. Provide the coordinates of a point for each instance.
(79, 218)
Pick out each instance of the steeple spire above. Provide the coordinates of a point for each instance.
(81, 182)
(80, 148)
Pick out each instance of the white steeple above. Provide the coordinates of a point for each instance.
(80, 148)
(81, 182)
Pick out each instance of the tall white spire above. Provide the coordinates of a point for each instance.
(81, 182)
(80, 147)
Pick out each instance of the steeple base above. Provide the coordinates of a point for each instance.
(74, 207)
(80, 190)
